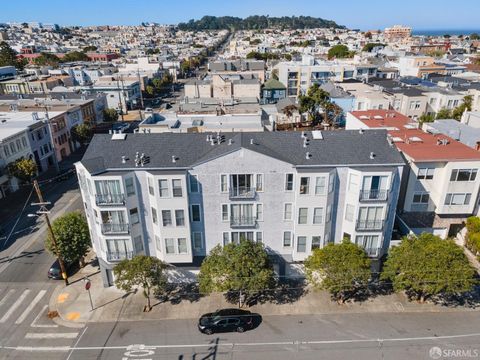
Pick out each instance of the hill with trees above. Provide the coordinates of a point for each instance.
(257, 22)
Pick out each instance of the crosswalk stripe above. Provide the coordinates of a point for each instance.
(14, 306)
(30, 307)
(51, 335)
(5, 298)
(34, 322)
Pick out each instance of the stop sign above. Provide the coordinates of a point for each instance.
(87, 285)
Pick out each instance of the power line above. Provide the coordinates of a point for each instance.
(18, 218)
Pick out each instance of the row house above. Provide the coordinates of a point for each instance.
(440, 186)
(176, 196)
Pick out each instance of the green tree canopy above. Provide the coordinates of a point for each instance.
(75, 56)
(89, 48)
(8, 57)
(141, 271)
(243, 267)
(82, 133)
(340, 52)
(47, 59)
(23, 169)
(72, 237)
(444, 113)
(370, 46)
(342, 269)
(110, 115)
(474, 36)
(466, 105)
(427, 265)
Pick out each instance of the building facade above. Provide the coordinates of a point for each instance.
(177, 196)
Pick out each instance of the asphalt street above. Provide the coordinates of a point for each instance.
(352, 336)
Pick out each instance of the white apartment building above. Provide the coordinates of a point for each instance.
(299, 76)
(176, 196)
(440, 186)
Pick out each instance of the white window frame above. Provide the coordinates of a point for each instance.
(425, 173)
(298, 242)
(259, 214)
(181, 188)
(285, 211)
(262, 182)
(178, 246)
(290, 239)
(222, 176)
(324, 186)
(286, 182)
(307, 186)
(452, 195)
(227, 213)
(306, 217)
(150, 184)
(194, 233)
(161, 188)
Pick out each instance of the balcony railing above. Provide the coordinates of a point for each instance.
(243, 221)
(242, 192)
(110, 199)
(373, 195)
(372, 225)
(119, 255)
(114, 229)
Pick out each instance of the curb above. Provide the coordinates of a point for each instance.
(52, 306)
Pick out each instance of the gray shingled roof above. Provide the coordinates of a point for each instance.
(347, 147)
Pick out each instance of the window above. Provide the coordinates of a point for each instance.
(197, 240)
(302, 215)
(179, 218)
(151, 190)
(425, 173)
(368, 242)
(420, 198)
(259, 212)
(134, 216)
(196, 213)
(193, 184)
(154, 216)
(349, 212)
(463, 175)
(301, 244)
(318, 215)
(129, 186)
(170, 246)
(224, 212)
(177, 187)
(167, 217)
(163, 187)
(287, 239)
(457, 199)
(316, 242)
(331, 183)
(223, 183)
(182, 246)
(304, 184)
(288, 182)
(259, 236)
(138, 244)
(353, 182)
(287, 212)
(320, 186)
(226, 238)
(158, 243)
(259, 182)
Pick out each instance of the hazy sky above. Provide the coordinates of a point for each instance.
(364, 14)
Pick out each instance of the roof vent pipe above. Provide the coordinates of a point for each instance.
(124, 159)
(174, 159)
(229, 141)
(372, 155)
(251, 141)
(361, 131)
(308, 156)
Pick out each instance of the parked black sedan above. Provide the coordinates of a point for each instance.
(226, 320)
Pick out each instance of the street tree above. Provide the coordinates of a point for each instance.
(82, 133)
(142, 271)
(244, 268)
(426, 265)
(23, 169)
(8, 57)
(75, 56)
(72, 237)
(342, 269)
(110, 115)
(444, 113)
(47, 59)
(466, 105)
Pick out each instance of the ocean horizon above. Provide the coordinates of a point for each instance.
(440, 32)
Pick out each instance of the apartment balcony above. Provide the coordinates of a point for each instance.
(243, 222)
(114, 229)
(113, 256)
(110, 200)
(242, 193)
(373, 195)
(370, 225)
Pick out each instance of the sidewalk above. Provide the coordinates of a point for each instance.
(110, 304)
(460, 241)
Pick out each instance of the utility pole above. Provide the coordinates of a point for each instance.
(120, 99)
(123, 92)
(140, 84)
(43, 211)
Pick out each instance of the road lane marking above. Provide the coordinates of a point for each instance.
(30, 307)
(14, 306)
(51, 335)
(5, 298)
(34, 322)
(76, 342)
